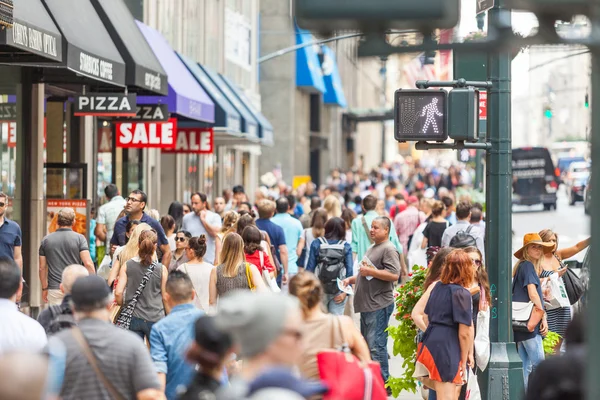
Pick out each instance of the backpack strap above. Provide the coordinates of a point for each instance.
(322, 240)
(469, 228)
(55, 311)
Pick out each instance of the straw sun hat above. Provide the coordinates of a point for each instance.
(534, 238)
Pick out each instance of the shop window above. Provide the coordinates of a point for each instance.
(105, 158)
(208, 183)
(315, 113)
(192, 175)
(132, 170)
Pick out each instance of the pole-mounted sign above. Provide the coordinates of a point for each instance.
(484, 5)
(420, 115)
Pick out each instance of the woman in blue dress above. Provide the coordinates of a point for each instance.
(445, 314)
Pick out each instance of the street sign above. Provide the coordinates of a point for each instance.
(144, 135)
(484, 5)
(193, 140)
(105, 105)
(483, 105)
(420, 115)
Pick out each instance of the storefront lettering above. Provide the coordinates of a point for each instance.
(109, 104)
(8, 112)
(146, 134)
(152, 81)
(34, 39)
(94, 66)
(194, 140)
(11, 129)
(150, 112)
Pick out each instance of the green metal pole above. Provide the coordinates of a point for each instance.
(503, 379)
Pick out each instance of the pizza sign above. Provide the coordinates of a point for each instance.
(193, 140)
(147, 134)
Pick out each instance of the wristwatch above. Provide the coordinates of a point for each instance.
(44, 289)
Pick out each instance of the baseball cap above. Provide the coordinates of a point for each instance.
(88, 291)
(254, 320)
(283, 378)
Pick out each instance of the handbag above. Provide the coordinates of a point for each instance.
(269, 281)
(557, 294)
(346, 376)
(473, 392)
(573, 284)
(124, 317)
(525, 315)
(482, 336)
(249, 278)
(89, 355)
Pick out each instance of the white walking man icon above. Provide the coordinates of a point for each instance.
(429, 112)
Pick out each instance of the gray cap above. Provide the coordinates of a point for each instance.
(254, 320)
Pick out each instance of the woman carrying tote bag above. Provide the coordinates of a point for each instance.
(527, 288)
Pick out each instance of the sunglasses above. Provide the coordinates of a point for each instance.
(2, 204)
(133, 200)
(479, 263)
(180, 239)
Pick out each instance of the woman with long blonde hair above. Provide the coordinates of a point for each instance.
(230, 219)
(127, 252)
(333, 206)
(234, 273)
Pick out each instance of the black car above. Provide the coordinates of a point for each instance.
(535, 181)
(587, 197)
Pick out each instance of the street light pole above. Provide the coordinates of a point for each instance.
(503, 379)
(383, 72)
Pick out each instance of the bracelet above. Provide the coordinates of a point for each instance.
(44, 289)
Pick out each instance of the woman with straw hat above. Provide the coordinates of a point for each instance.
(527, 287)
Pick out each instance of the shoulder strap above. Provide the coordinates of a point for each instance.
(469, 228)
(366, 227)
(261, 256)
(322, 240)
(143, 284)
(87, 351)
(55, 311)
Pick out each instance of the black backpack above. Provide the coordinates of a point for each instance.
(331, 265)
(463, 239)
(62, 318)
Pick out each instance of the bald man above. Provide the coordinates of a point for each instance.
(69, 276)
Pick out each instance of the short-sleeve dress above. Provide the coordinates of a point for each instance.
(438, 356)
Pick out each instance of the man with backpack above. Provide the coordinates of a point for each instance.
(462, 234)
(58, 317)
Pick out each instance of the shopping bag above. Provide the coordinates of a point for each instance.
(556, 293)
(473, 392)
(482, 339)
(104, 268)
(270, 282)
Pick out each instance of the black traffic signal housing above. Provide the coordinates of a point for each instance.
(420, 115)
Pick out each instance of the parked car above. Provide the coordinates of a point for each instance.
(563, 163)
(587, 196)
(575, 181)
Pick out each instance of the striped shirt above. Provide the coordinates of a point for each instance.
(120, 354)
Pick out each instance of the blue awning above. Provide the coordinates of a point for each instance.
(226, 116)
(186, 96)
(308, 68)
(249, 123)
(265, 127)
(334, 92)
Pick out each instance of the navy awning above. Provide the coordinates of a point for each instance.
(33, 37)
(308, 68)
(249, 123)
(334, 92)
(265, 127)
(226, 116)
(88, 49)
(143, 69)
(186, 97)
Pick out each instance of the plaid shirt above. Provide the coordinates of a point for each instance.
(108, 213)
(406, 223)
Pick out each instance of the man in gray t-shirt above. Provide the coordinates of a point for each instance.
(374, 291)
(57, 251)
(203, 222)
(121, 355)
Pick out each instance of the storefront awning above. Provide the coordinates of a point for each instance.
(226, 116)
(265, 127)
(249, 123)
(87, 47)
(143, 69)
(334, 92)
(186, 97)
(34, 38)
(308, 69)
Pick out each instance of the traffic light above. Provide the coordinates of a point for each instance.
(587, 101)
(326, 16)
(420, 115)
(548, 112)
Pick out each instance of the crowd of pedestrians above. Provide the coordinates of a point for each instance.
(230, 298)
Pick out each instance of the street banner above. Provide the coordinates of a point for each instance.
(193, 140)
(142, 135)
(54, 206)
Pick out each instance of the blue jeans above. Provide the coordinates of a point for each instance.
(531, 352)
(141, 327)
(333, 307)
(373, 326)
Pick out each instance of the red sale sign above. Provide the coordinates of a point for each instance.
(11, 129)
(483, 104)
(193, 140)
(147, 134)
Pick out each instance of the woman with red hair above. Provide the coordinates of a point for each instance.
(447, 346)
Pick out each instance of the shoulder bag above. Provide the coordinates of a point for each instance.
(249, 277)
(366, 227)
(124, 318)
(573, 283)
(346, 376)
(269, 281)
(89, 355)
(525, 315)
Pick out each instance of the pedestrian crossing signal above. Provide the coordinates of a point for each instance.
(420, 115)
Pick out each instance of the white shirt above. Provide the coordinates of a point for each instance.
(18, 332)
(193, 224)
(200, 276)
